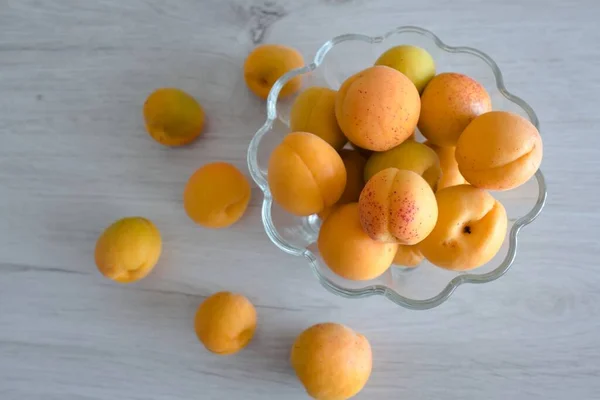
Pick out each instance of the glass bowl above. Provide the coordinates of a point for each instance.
(425, 286)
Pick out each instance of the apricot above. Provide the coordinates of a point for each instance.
(332, 361)
(348, 250)
(397, 206)
(216, 195)
(469, 231)
(269, 62)
(414, 62)
(409, 155)
(499, 151)
(173, 117)
(408, 256)
(450, 174)
(313, 111)
(225, 322)
(305, 174)
(128, 249)
(448, 104)
(355, 166)
(377, 108)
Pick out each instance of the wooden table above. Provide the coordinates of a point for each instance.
(74, 157)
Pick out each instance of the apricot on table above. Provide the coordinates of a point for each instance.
(377, 108)
(348, 250)
(128, 249)
(499, 150)
(408, 256)
(409, 155)
(332, 361)
(470, 229)
(266, 64)
(414, 62)
(225, 322)
(313, 111)
(397, 206)
(216, 195)
(355, 182)
(173, 117)
(448, 104)
(451, 176)
(305, 174)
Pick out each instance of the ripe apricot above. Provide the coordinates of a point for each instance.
(216, 195)
(470, 229)
(313, 111)
(267, 63)
(397, 206)
(305, 174)
(128, 249)
(332, 361)
(499, 151)
(449, 103)
(173, 117)
(225, 322)
(377, 108)
(348, 250)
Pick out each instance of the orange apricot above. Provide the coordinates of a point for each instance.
(348, 250)
(499, 151)
(173, 117)
(397, 206)
(225, 322)
(449, 103)
(267, 63)
(305, 174)
(332, 361)
(128, 249)
(377, 108)
(470, 229)
(313, 111)
(216, 195)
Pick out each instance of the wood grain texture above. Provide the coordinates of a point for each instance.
(74, 157)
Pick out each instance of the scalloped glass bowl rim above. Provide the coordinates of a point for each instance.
(261, 181)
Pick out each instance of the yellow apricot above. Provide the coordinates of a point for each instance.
(313, 111)
(225, 322)
(216, 195)
(267, 63)
(173, 117)
(305, 174)
(128, 249)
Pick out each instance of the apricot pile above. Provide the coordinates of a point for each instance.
(416, 200)
(352, 158)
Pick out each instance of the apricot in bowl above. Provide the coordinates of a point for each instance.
(426, 285)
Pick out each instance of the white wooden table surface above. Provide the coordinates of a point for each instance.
(74, 157)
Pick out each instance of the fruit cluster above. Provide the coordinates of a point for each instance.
(391, 199)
